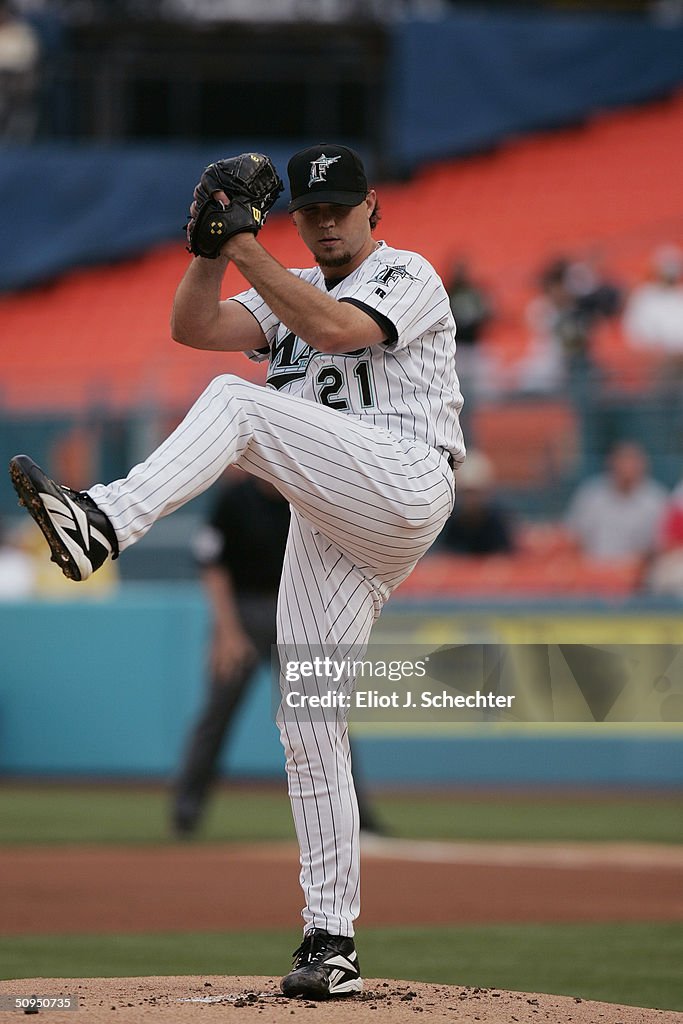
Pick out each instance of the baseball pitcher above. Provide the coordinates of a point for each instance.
(357, 427)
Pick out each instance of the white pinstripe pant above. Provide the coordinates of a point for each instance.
(365, 506)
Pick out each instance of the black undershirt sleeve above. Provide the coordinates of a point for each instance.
(379, 318)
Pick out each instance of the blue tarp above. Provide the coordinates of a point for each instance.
(65, 206)
(465, 82)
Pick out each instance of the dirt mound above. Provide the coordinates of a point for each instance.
(222, 999)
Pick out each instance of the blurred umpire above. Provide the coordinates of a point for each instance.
(240, 551)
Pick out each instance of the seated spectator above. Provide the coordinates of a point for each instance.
(472, 309)
(478, 525)
(665, 576)
(470, 305)
(574, 295)
(595, 294)
(653, 318)
(19, 60)
(617, 515)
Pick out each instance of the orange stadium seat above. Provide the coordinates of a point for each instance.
(99, 337)
(519, 575)
(522, 454)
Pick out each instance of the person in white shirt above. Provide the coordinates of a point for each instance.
(653, 318)
(616, 515)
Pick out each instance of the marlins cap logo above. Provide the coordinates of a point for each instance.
(319, 168)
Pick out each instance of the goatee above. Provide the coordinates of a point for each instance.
(333, 261)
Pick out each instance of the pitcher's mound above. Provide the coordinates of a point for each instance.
(231, 999)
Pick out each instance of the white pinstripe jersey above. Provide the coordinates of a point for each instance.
(408, 384)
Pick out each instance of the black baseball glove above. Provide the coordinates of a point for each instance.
(251, 183)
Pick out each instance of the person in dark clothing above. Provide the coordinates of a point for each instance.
(478, 368)
(470, 305)
(240, 552)
(478, 525)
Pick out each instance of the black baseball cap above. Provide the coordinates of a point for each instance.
(326, 174)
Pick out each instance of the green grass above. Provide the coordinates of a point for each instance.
(644, 819)
(106, 814)
(91, 814)
(635, 964)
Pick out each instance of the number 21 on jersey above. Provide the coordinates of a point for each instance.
(333, 383)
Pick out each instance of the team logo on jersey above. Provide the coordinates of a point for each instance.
(319, 168)
(388, 274)
(289, 359)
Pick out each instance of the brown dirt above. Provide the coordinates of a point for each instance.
(178, 888)
(226, 1000)
(53, 890)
